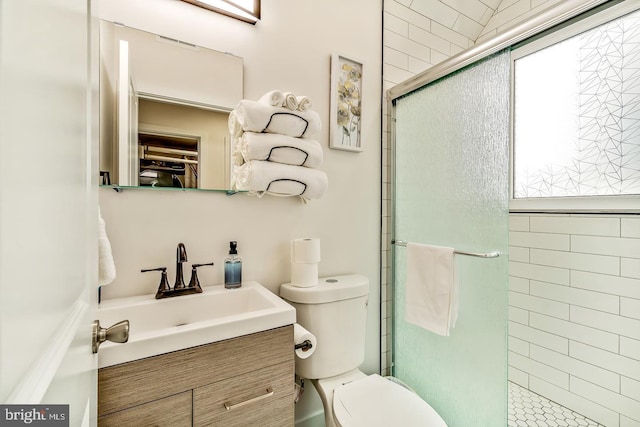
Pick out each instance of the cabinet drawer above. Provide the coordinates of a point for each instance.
(172, 411)
(140, 381)
(249, 398)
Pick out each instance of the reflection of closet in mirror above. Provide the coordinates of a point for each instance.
(168, 161)
(183, 92)
(182, 146)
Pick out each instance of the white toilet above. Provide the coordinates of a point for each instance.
(335, 311)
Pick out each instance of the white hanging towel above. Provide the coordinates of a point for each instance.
(431, 298)
(106, 266)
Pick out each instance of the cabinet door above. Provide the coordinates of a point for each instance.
(262, 398)
(172, 411)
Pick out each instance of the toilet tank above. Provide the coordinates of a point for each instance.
(335, 311)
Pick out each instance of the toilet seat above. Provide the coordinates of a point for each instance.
(376, 402)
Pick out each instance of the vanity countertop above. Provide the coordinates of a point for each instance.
(160, 326)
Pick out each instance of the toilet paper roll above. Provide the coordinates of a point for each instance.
(305, 251)
(300, 335)
(304, 275)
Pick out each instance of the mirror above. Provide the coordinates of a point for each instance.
(164, 110)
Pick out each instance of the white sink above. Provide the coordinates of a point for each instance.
(170, 324)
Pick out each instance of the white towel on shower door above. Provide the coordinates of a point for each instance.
(431, 298)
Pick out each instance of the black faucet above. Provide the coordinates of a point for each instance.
(179, 288)
(181, 256)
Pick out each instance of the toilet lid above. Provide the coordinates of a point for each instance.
(374, 401)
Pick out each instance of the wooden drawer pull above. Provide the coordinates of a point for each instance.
(229, 406)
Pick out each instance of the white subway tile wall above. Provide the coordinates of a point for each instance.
(574, 313)
(511, 12)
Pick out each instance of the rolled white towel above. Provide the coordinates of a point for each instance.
(275, 98)
(106, 266)
(261, 177)
(304, 103)
(280, 148)
(236, 155)
(253, 116)
(290, 101)
(235, 128)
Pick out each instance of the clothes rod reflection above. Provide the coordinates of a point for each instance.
(494, 254)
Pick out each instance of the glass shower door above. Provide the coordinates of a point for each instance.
(451, 189)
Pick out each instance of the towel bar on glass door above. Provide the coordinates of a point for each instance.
(494, 254)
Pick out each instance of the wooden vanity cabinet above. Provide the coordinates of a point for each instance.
(244, 381)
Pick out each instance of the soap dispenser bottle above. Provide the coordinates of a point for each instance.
(233, 268)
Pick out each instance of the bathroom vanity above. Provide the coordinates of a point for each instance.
(222, 357)
(241, 381)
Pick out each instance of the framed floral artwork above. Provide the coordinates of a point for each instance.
(346, 104)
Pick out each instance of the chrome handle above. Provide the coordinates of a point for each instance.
(229, 406)
(116, 333)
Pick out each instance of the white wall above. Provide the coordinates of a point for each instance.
(289, 49)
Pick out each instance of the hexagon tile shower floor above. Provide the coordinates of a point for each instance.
(527, 409)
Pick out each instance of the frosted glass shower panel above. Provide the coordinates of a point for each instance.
(451, 189)
(577, 114)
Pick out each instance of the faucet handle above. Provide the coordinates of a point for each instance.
(200, 265)
(164, 282)
(194, 282)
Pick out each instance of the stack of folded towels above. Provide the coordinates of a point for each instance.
(274, 152)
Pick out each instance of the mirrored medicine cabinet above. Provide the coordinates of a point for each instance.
(164, 111)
